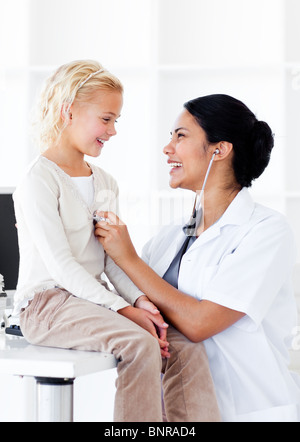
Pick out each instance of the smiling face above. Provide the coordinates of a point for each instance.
(92, 123)
(187, 153)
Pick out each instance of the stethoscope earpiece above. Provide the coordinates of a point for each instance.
(191, 228)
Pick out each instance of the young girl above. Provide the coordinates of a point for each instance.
(61, 298)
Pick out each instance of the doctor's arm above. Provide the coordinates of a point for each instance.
(197, 320)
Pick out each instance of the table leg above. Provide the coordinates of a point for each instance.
(54, 399)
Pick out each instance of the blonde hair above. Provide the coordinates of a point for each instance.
(77, 80)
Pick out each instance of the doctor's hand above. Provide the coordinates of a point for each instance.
(115, 239)
(154, 324)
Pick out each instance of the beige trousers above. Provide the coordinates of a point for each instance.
(56, 318)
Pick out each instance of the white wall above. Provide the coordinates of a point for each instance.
(165, 52)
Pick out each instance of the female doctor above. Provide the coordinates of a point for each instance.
(225, 277)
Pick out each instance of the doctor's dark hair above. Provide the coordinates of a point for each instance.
(224, 118)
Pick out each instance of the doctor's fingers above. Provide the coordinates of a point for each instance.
(108, 232)
(112, 217)
(106, 229)
(104, 238)
(101, 230)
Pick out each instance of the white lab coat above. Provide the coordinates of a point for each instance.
(243, 262)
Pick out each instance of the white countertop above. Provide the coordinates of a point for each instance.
(18, 357)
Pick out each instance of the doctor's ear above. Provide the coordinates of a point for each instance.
(222, 150)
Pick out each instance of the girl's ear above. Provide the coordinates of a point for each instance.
(66, 113)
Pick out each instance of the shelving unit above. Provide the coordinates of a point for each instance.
(165, 52)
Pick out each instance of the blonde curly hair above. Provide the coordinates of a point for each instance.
(77, 80)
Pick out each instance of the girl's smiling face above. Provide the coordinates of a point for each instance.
(92, 123)
(187, 153)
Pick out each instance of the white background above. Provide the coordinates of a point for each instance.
(165, 52)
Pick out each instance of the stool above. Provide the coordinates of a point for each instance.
(54, 371)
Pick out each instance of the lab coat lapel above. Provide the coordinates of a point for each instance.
(171, 248)
(206, 236)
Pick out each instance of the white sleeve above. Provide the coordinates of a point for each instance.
(147, 251)
(249, 279)
(121, 282)
(38, 200)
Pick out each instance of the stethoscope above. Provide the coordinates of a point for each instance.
(190, 228)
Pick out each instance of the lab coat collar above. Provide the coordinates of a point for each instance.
(237, 213)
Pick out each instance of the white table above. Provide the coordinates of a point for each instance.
(54, 370)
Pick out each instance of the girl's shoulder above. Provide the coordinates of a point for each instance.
(40, 167)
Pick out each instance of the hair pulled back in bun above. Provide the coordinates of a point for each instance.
(223, 118)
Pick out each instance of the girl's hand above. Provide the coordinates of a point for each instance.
(161, 326)
(114, 238)
(149, 322)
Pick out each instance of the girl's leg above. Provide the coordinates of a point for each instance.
(189, 393)
(56, 318)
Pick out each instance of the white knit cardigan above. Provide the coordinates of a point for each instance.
(56, 238)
